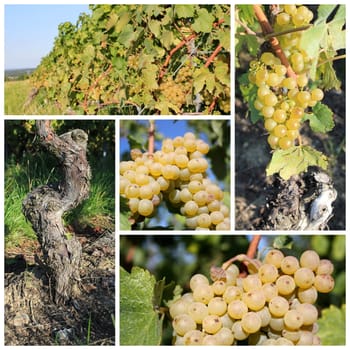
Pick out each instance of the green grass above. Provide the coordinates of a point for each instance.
(16, 93)
(21, 178)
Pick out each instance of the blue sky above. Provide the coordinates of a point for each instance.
(30, 31)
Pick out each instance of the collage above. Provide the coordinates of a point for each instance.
(218, 129)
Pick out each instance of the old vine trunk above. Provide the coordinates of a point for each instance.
(46, 204)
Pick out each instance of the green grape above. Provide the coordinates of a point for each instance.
(278, 306)
(270, 99)
(219, 287)
(280, 130)
(304, 277)
(203, 293)
(224, 337)
(270, 124)
(324, 283)
(146, 207)
(270, 291)
(198, 279)
(279, 116)
(307, 295)
(232, 293)
(183, 324)
(317, 94)
(254, 299)
(285, 142)
(268, 273)
(203, 220)
(251, 322)
(285, 284)
(238, 332)
(325, 266)
(310, 259)
(274, 257)
(283, 19)
(193, 337)
(198, 311)
(309, 313)
(179, 307)
(237, 309)
(289, 265)
(251, 282)
(211, 324)
(293, 319)
(217, 306)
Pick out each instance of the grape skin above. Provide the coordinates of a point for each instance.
(245, 308)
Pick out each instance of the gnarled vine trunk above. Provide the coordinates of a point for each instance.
(46, 204)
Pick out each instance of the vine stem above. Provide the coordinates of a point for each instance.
(151, 136)
(267, 29)
(253, 246)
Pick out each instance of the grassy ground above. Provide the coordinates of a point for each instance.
(20, 179)
(16, 93)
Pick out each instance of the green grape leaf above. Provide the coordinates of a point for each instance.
(222, 72)
(295, 160)
(112, 21)
(249, 93)
(154, 26)
(283, 242)
(224, 37)
(184, 11)
(139, 322)
(204, 22)
(321, 120)
(149, 77)
(332, 326)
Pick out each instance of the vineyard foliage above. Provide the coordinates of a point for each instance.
(139, 59)
(308, 45)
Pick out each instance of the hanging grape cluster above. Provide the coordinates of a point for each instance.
(282, 100)
(177, 174)
(274, 305)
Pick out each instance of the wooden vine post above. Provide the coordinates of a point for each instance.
(45, 206)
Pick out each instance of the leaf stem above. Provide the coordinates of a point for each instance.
(267, 29)
(340, 57)
(288, 31)
(151, 131)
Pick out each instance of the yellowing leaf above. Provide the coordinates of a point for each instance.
(149, 77)
(295, 160)
(204, 22)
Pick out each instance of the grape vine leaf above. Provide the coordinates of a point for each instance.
(295, 160)
(332, 326)
(249, 93)
(203, 23)
(184, 11)
(125, 224)
(325, 37)
(139, 322)
(321, 118)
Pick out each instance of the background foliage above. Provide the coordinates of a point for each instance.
(176, 258)
(215, 132)
(28, 166)
(128, 59)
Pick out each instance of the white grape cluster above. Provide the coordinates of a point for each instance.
(177, 174)
(273, 306)
(282, 100)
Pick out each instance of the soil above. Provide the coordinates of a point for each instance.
(252, 155)
(31, 317)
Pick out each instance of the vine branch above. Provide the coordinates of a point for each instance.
(267, 29)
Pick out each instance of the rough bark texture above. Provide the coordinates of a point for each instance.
(304, 202)
(46, 204)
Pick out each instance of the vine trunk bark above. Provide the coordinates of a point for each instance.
(45, 206)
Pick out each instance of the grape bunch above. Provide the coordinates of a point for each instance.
(282, 100)
(272, 305)
(177, 174)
